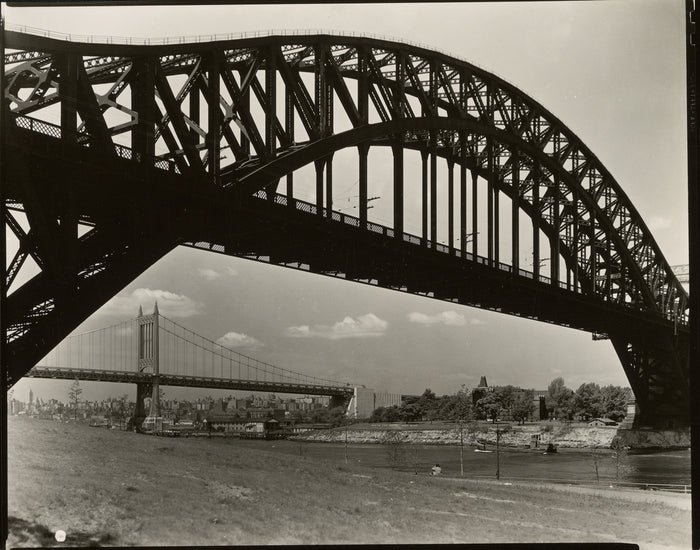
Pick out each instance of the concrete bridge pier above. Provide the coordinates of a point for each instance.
(143, 390)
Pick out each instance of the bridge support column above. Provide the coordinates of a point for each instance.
(148, 359)
(657, 369)
(143, 391)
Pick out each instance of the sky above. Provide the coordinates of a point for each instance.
(613, 72)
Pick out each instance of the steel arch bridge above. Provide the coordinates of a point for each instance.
(117, 153)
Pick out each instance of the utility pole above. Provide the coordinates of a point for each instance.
(346, 440)
(498, 455)
(461, 446)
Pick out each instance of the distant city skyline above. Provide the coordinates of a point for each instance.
(613, 72)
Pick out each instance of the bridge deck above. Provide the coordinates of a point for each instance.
(97, 375)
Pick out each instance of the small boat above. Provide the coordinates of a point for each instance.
(482, 451)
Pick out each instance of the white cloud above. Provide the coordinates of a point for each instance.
(208, 274)
(238, 340)
(445, 318)
(658, 222)
(169, 304)
(364, 326)
(211, 274)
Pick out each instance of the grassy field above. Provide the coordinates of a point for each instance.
(106, 487)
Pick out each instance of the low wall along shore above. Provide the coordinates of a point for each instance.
(560, 435)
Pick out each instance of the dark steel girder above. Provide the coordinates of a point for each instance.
(274, 170)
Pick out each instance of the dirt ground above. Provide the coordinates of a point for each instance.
(112, 488)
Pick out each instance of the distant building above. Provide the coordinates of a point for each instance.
(365, 400)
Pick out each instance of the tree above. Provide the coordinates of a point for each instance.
(74, 396)
(588, 401)
(337, 416)
(614, 401)
(619, 456)
(456, 407)
(489, 406)
(395, 449)
(428, 404)
(561, 397)
(523, 405)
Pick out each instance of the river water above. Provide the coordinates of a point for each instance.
(567, 465)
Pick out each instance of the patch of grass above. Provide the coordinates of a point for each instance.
(129, 489)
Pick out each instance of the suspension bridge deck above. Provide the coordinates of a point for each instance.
(99, 375)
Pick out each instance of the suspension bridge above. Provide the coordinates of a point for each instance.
(152, 351)
(240, 134)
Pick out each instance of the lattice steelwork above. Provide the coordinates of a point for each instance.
(222, 129)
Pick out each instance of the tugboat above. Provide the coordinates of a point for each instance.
(551, 449)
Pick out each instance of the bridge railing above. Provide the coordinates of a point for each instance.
(383, 230)
(346, 219)
(54, 131)
(199, 38)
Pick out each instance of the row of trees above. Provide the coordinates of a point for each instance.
(428, 407)
(480, 404)
(589, 401)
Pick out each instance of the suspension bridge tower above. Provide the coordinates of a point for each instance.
(148, 361)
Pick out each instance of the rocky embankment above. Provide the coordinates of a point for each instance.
(561, 436)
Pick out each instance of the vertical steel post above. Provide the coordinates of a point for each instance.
(214, 117)
(489, 200)
(195, 111)
(451, 205)
(271, 98)
(319, 164)
(363, 111)
(424, 194)
(329, 186)
(554, 241)
(433, 188)
(68, 93)
(463, 193)
(515, 210)
(289, 128)
(475, 215)
(397, 150)
(142, 101)
(536, 222)
(363, 152)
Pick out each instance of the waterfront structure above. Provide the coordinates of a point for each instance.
(606, 274)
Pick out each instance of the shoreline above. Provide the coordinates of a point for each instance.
(528, 437)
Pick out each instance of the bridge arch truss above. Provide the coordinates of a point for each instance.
(228, 125)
